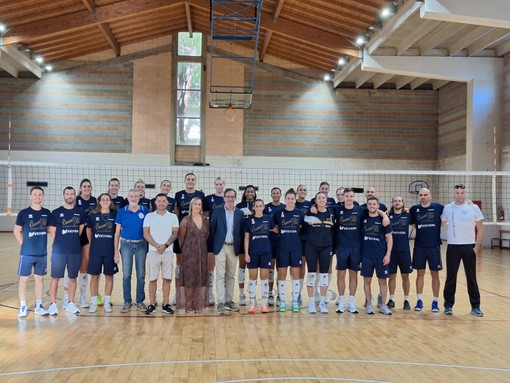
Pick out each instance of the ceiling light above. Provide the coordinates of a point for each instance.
(48, 67)
(38, 59)
(343, 60)
(3, 27)
(327, 77)
(387, 12)
(361, 40)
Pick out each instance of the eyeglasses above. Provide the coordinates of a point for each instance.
(459, 186)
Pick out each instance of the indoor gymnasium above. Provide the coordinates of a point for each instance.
(205, 191)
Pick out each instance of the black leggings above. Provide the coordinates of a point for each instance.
(316, 254)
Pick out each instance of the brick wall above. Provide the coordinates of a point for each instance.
(292, 119)
(78, 111)
(452, 121)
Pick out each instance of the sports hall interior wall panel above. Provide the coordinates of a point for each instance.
(73, 112)
(293, 119)
(505, 137)
(452, 120)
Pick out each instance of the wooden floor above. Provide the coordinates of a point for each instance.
(406, 347)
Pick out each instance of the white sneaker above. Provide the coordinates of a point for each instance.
(242, 300)
(341, 306)
(353, 309)
(323, 308)
(23, 312)
(41, 311)
(108, 308)
(370, 310)
(53, 309)
(72, 309)
(311, 308)
(174, 302)
(93, 308)
(83, 302)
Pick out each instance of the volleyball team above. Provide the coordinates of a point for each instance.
(213, 238)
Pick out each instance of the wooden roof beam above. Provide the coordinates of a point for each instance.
(267, 38)
(188, 19)
(90, 5)
(78, 20)
(107, 32)
(277, 9)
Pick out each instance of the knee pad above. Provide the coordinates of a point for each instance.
(241, 276)
(310, 279)
(323, 280)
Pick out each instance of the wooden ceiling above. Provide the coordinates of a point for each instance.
(311, 35)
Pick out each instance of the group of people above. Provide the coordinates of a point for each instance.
(212, 237)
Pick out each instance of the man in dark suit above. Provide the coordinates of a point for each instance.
(226, 232)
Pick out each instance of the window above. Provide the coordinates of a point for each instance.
(189, 89)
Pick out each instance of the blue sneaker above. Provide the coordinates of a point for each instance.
(419, 305)
(295, 307)
(477, 312)
(435, 307)
(283, 307)
(448, 311)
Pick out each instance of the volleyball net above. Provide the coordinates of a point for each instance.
(488, 189)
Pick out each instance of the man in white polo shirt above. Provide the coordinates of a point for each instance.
(463, 219)
(156, 229)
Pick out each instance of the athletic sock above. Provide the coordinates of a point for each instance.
(295, 290)
(264, 289)
(252, 289)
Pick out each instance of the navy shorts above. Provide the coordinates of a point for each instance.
(368, 266)
(59, 263)
(432, 255)
(262, 261)
(289, 258)
(348, 258)
(402, 259)
(98, 264)
(27, 262)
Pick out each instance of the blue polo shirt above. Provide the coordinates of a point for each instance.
(131, 222)
(34, 227)
(67, 235)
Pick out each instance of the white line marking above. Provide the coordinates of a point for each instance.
(208, 361)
